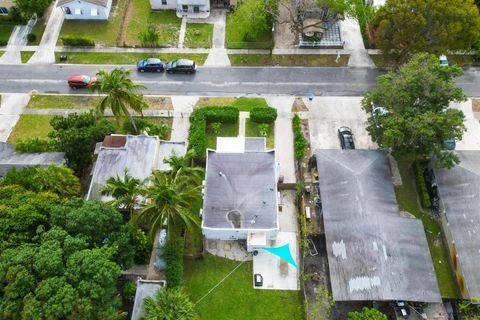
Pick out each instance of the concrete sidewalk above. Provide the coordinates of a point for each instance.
(11, 108)
(17, 40)
(351, 35)
(218, 55)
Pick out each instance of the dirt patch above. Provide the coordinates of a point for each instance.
(299, 105)
(214, 101)
(159, 103)
(126, 21)
(476, 105)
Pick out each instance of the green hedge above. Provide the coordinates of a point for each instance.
(421, 185)
(33, 145)
(173, 255)
(77, 41)
(263, 115)
(198, 125)
(299, 142)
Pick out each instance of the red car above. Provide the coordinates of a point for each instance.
(81, 81)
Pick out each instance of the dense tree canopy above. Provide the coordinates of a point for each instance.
(252, 18)
(168, 304)
(367, 314)
(436, 26)
(409, 110)
(28, 7)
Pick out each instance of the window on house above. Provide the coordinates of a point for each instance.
(94, 12)
(196, 9)
(3, 10)
(78, 11)
(184, 8)
(67, 10)
(164, 2)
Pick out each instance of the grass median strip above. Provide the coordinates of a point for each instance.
(26, 55)
(292, 60)
(63, 102)
(124, 57)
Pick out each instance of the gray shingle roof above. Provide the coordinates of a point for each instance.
(102, 3)
(373, 252)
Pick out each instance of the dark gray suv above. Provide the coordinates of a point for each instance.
(181, 66)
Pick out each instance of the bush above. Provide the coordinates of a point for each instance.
(263, 115)
(129, 289)
(79, 41)
(220, 114)
(160, 130)
(299, 142)
(33, 145)
(143, 247)
(421, 185)
(173, 255)
(31, 37)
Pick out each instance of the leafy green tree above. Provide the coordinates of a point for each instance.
(169, 304)
(183, 165)
(367, 314)
(76, 135)
(171, 198)
(406, 27)
(120, 94)
(416, 118)
(251, 19)
(125, 191)
(150, 37)
(57, 179)
(28, 8)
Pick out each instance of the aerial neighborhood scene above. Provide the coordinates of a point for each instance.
(239, 159)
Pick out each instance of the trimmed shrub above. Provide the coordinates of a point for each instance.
(421, 185)
(77, 41)
(263, 115)
(33, 145)
(31, 37)
(173, 255)
(221, 114)
(299, 142)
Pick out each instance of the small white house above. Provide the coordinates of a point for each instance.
(5, 6)
(86, 9)
(190, 8)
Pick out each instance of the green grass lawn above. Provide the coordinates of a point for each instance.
(166, 21)
(1, 53)
(234, 38)
(31, 126)
(106, 33)
(26, 55)
(124, 58)
(38, 31)
(407, 201)
(5, 31)
(252, 129)
(199, 35)
(304, 60)
(235, 298)
(243, 104)
(385, 61)
(226, 130)
(62, 102)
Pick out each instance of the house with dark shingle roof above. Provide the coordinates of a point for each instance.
(86, 9)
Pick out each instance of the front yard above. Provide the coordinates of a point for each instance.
(124, 58)
(226, 130)
(31, 126)
(5, 31)
(234, 38)
(252, 129)
(407, 201)
(105, 33)
(235, 298)
(199, 35)
(140, 17)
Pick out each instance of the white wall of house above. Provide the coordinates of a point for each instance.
(235, 234)
(82, 10)
(163, 4)
(183, 7)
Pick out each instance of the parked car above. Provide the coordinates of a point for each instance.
(151, 65)
(181, 66)
(346, 138)
(443, 60)
(78, 81)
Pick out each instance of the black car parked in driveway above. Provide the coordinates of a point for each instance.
(346, 138)
(181, 66)
(150, 65)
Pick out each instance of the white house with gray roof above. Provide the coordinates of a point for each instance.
(86, 9)
(190, 8)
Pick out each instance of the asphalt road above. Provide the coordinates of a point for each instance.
(216, 81)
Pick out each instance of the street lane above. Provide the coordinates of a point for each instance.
(216, 81)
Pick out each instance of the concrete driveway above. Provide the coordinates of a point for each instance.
(328, 113)
(471, 138)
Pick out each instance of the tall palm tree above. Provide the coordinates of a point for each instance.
(169, 304)
(125, 191)
(171, 197)
(121, 94)
(183, 165)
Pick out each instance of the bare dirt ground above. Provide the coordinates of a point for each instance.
(283, 35)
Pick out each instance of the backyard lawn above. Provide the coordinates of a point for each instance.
(5, 31)
(234, 38)
(62, 102)
(226, 130)
(124, 58)
(252, 129)
(31, 126)
(199, 35)
(106, 33)
(407, 201)
(141, 17)
(235, 298)
(303, 60)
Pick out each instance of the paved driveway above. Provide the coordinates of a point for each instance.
(471, 138)
(328, 113)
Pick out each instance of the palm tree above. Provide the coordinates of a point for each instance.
(125, 191)
(168, 304)
(171, 196)
(120, 94)
(183, 165)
